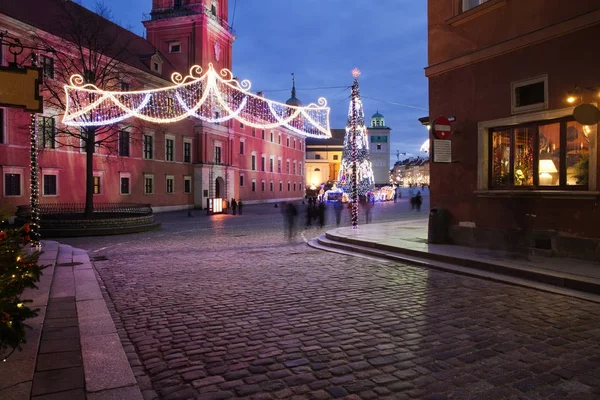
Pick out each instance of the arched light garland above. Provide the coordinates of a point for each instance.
(210, 96)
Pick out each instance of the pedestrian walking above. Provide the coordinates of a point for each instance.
(418, 201)
(321, 214)
(290, 219)
(368, 205)
(337, 207)
(239, 204)
(233, 206)
(395, 194)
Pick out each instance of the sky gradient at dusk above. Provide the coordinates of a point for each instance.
(321, 42)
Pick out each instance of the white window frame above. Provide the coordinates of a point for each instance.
(167, 178)
(99, 175)
(172, 44)
(187, 178)
(263, 185)
(151, 134)
(49, 171)
(128, 130)
(121, 176)
(271, 163)
(253, 160)
(241, 180)
(190, 141)
(149, 176)
(242, 147)
(281, 186)
(532, 107)
(13, 170)
(300, 170)
(279, 165)
(254, 185)
(271, 186)
(170, 137)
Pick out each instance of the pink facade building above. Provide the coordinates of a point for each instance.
(170, 166)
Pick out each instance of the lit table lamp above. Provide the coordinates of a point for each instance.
(547, 167)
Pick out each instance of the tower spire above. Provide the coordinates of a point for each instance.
(293, 85)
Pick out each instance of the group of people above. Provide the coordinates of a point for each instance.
(235, 205)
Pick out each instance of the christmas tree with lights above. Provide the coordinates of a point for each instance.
(355, 157)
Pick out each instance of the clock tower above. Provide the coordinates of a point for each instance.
(191, 32)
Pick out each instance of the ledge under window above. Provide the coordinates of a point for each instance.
(475, 12)
(540, 194)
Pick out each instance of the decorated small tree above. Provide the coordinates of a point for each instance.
(358, 154)
(19, 269)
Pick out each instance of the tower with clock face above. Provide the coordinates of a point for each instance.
(191, 32)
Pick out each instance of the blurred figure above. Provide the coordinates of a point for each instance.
(418, 201)
(368, 207)
(321, 214)
(239, 204)
(337, 207)
(233, 206)
(290, 214)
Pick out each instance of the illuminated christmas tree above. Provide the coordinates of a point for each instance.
(355, 157)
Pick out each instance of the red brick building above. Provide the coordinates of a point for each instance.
(524, 173)
(170, 166)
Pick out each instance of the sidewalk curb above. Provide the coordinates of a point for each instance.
(571, 285)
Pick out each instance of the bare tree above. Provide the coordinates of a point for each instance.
(99, 51)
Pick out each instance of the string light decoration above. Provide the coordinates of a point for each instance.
(356, 171)
(210, 96)
(34, 197)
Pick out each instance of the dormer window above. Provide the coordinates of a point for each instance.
(175, 47)
(155, 66)
(213, 8)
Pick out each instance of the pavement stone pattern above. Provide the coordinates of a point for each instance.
(240, 312)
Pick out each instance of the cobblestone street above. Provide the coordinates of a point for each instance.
(237, 311)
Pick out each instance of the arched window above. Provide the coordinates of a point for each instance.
(317, 170)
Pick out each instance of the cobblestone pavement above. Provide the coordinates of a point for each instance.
(240, 312)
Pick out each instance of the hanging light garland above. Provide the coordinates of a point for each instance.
(210, 96)
(34, 198)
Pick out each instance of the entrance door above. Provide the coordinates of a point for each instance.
(219, 188)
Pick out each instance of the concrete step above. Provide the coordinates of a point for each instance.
(550, 281)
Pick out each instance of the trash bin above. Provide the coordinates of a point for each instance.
(438, 226)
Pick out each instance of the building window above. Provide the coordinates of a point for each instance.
(294, 186)
(2, 136)
(263, 134)
(124, 86)
(280, 186)
(241, 180)
(156, 66)
(262, 163)
(241, 125)
(287, 141)
(47, 66)
(253, 167)
(148, 183)
(213, 8)
(187, 152)
(289, 186)
(187, 184)
(279, 165)
(175, 47)
(300, 171)
(46, 132)
(241, 147)
(272, 137)
(378, 146)
(294, 170)
(294, 143)
(170, 183)
(97, 184)
(279, 138)
(529, 95)
(253, 132)
(469, 4)
(300, 187)
(50, 185)
(317, 156)
(335, 157)
(123, 143)
(548, 154)
(217, 155)
(169, 143)
(148, 147)
(254, 185)
(271, 185)
(12, 184)
(287, 167)
(271, 162)
(262, 186)
(125, 184)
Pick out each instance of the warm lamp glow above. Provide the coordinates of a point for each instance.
(571, 99)
(546, 168)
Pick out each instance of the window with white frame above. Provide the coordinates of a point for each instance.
(529, 95)
(294, 170)
(170, 184)
(271, 185)
(187, 184)
(169, 148)
(13, 181)
(253, 166)
(300, 170)
(148, 183)
(281, 186)
(175, 47)
(279, 164)
(241, 147)
(262, 163)
(287, 141)
(47, 66)
(46, 132)
(469, 4)
(241, 180)
(289, 186)
(187, 150)
(123, 143)
(49, 182)
(287, 166)
(271, 163)
(96, 183)
(272, 136)
(279, 138)
(217, 154)
(124, 183)
(263, 134)
(254, 185)
(294, 143)
(148, 146)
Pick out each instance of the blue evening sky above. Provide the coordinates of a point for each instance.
(321, 41)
